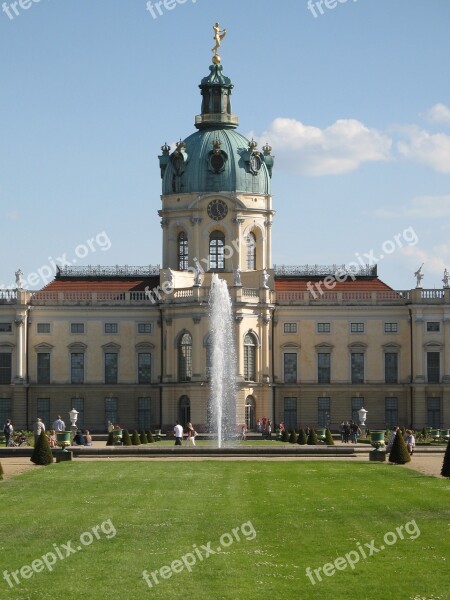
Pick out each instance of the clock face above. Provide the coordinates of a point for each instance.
(217, 210)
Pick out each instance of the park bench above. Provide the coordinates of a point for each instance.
(158, 435)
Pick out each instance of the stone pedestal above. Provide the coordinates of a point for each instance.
(377, 455)
(63, 455)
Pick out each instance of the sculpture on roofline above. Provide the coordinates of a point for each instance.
(419, 276)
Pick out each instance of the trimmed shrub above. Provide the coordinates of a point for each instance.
(126, 440)
(445, 472)
(42, 454)
(312, 438)
(1, 472)
(399, 452)
(110, 441)
(329, 438)
(302, 439)
(424, 433)
(143, 437)
(136, 440)
(293, 437)
(285, 435)
(150, 438)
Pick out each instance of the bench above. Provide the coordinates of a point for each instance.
(158, 435)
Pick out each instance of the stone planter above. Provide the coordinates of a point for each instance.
(63, 439)
(377, 438)
(321, 433)
(117, 435)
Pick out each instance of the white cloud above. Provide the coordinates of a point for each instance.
(439, 113)
(432, 150)
(422, 207)
(340, 148)
(13, 215)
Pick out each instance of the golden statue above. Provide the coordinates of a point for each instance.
(219, 34)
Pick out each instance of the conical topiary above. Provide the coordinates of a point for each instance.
(136, 439)
(445, 472)
(399, 453)
(302, 439)
(143, 437)
(1, 472)
(110, 441)
(150, 438)
(312, 438)
(285, 435)
(293, 437)
(126, 440)
(329, 438)
(42, 454)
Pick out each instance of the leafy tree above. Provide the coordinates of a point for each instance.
(329, 438)
(293, 437)
(445, 472)
(126, 439)
(302, 439)
(136, 439)
(399, 453)
(42, 454)
(312, 438)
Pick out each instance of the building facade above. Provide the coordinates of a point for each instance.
(132, 345)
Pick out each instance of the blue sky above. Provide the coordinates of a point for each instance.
(354, 101)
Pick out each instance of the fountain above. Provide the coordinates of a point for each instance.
(223, 377)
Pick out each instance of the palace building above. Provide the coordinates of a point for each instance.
(132, 345)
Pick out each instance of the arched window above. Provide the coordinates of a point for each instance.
(216, 251)
(250, 242)
(185, 357)
(183, 252)
(250, 357)
(184, 410)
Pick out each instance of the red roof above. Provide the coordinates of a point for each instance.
(300, 284)
(96, 284)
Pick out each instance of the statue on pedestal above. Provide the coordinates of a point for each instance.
(419, 276)
(445, 278)
(19, 280)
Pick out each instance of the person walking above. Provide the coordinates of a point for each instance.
(269, 430)
(37, 429)
(178, 432)
(59, 425)
(346, 432)
(8, 430)
(191, 433)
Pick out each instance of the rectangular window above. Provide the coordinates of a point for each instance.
(391, 367)
(78, 405)
(5, 368)
(43, 367)
(357, 366)
(323, 411)
(357, 327)
(290, 413)
(110, 411)
(43, 411)
(77, 367)
(357, 404)
(434, 412)
(77, 328)
(391, 412)
(43, 328)
(290, 328)
(323, 367)
(5, 410)
(5, 327)
(390, 327)
(144, 367)
(290, 367)
(144, 413)
(433, 326)
(144, 327)
(433, 367)
(111, 367)
(323, 327)
(111, 328)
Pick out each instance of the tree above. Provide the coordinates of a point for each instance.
(293, 437)
(150, 438)
(143, 437)
(42, 454)
(302, 439)
(136, 439)
(312, 438)
(399, 452)
(445, 472)
(329, 438)
(126, 440)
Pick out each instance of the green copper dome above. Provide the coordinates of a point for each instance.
(216, 158)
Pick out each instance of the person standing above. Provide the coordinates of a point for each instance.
(410, 441)
(8, 431)
(190, 434)
(269, 430)
(59, 425)
(178, 432)
(37, 429)
(346, 432)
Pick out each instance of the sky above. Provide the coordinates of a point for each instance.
(353, 96)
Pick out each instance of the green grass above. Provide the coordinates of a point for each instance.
(305, 514)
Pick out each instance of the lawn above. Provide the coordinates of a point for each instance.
(271, 521)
